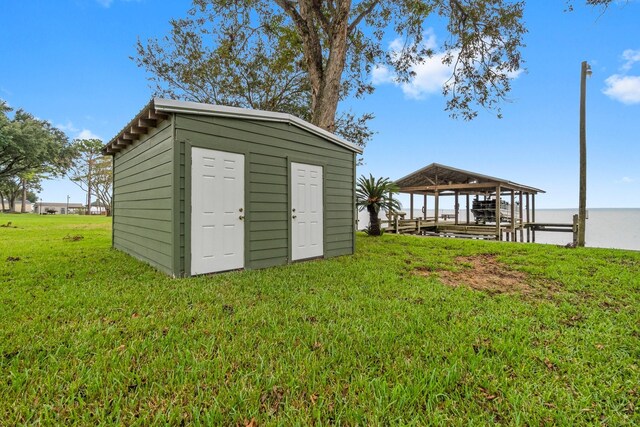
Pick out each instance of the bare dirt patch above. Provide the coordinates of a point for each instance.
(485, 273)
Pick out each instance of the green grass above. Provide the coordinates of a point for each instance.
(88, 335)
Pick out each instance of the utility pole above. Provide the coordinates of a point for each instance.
(582, 203)
(67, 211)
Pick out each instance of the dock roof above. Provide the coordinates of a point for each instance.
(437, 177)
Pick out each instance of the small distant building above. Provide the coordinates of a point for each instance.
(98, 208)
(28, 206)
(61, 208)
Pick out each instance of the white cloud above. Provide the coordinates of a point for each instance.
(381, 74)
(625, 180)
(70, 129)
(625, 89)
(514, 74)
(67, 127)
(107, 3)
(631, 56)
(430, 76)
(87, 134)
(622, 87)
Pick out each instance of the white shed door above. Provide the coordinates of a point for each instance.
(306, 211)
(217, 211)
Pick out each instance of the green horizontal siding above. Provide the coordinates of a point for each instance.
(143, 198)
(269, 147)
(151, 194)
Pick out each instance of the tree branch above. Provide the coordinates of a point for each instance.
(362, 15)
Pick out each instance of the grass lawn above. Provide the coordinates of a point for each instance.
(385, 337)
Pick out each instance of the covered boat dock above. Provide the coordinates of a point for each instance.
(495, 208)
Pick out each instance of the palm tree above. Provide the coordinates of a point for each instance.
(374, 194)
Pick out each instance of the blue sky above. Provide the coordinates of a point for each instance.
(68, 61)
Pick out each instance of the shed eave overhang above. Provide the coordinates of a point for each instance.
(161, 108)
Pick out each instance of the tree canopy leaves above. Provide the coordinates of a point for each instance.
(305, 56)
(92, 171)
(28, 144)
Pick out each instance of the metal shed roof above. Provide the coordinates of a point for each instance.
(437, 175)
(158, 109)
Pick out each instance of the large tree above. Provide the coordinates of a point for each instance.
(222, 55)
(336, 44)
(103, 182)
(23, 186)
(88, 152)
(31, 145)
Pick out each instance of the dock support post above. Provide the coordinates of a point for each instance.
(533, 217)
(528, 232)
(411, 207)
(437, 205)
(456, 207)
(498, 230)
(468, 219)
(520, 218)
(424, 207)
(513, 215)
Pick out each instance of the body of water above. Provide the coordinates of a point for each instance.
(606, 228)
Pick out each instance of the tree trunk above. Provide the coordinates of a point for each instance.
(23, 208)
(327, 91)
(374, 222)
(324, 77)
(2, 199)
(12, 202)
(89, 189)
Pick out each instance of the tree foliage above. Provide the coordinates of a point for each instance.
(304, 56)
(604, 4)
(103, 182)
(373, 195)
(30, 150)
(90, 168)
(239, 51)
(12, 188)
(224, 55)
(31, 145)
(218, 59)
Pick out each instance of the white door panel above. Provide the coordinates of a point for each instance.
(307, 214)
(217, 211)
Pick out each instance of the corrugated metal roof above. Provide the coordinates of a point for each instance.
(158, 108)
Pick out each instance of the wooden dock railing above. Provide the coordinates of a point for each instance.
(396, 223)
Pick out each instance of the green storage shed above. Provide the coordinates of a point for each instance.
(200, 188)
